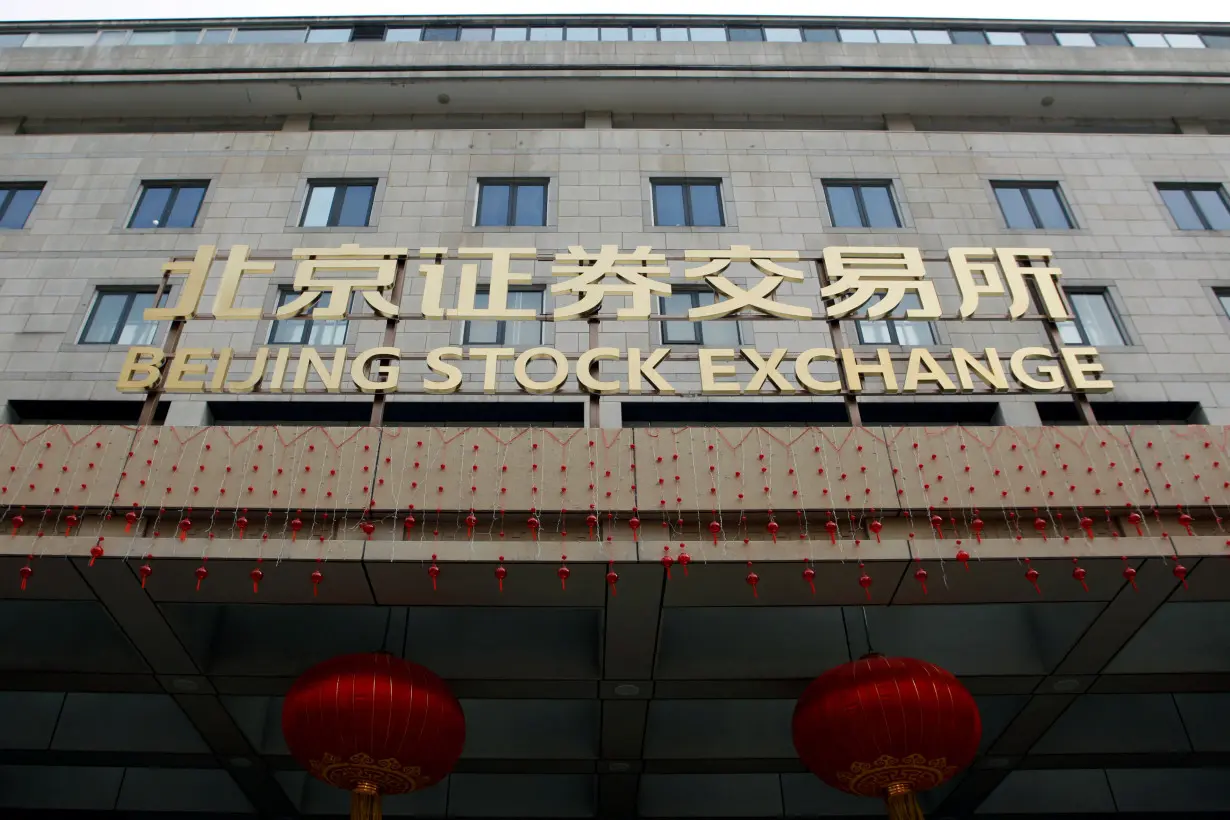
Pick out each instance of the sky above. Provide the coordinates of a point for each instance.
(1106, 10)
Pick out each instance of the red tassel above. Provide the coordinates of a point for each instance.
(684, 560)
(256, 576)
(1031, 575)
(920, 575)
(26, 572)
(145, 572)
(96, 551)
(809, 575)
(471, 520)
(317, 577)
(753, 580)
(130, 518)
(501, 573)
(201, 575)
(666, 562)
(433, 572)
(70, 521)
(864, 581)
(563, 572)
(612, 577)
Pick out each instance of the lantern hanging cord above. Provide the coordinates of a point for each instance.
(867, 632)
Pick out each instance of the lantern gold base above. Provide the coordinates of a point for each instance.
(902, 803)
(365, 802)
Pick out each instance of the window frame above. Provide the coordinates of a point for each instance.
(305, 318)
(1222, 296)
(1024, 186)
(514, 184)
(688, 217)
(335, 207)
(857, 185)
(8, 191)
(1186, 188)
(894, 335)
(130, 294)
(502, 324)
(176, 186)
(698, 327)
(1093, 290)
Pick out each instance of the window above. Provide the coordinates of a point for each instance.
(507, 334)
(614, 34)
(1095, 322)
(1184, 41)
(269, 36)
(440, 34)
(894, 35)
(511, 34)
(820, 35)
(216, 36)
(745, 34)
(1223, 297)
(61, 39)
(1005, 38)
(896, 331)
(861, 205)
(582, 33)
(930, 37)
(330, 332)
(969, 38)
(338, 204)
(546, 34)
(511, 203)
(708, 35)
(857, 35)
(117, 317)
(175, 37)
(1075, 39)
(1040, 38)
(690, 204)
(1141, 40)
(1032, 205)
(477, 34)
(1197, 207)
(403, 35)
(1210, 40)
(1110, 38)
(716, 333)
(168, 205)
(783, 35)
(16, 203)
(329, 35)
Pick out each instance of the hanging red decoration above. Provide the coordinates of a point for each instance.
(1087, 526)
(17, 522)
(888, 728)
(296, 524)
(752, 580)
(1185, 521)
(963, 557)
(864, 581)
(920, 575)
(684, 560)
(71, 521)
(714, 528)
(666, 562)
(1040, 526)
(373, 724)
(241, 524)
(563, 572)
(875, 527)
(96, 551)
(591, 521)
(130, 518)
(1134, 519)
(501, 573)
(201, 574)
(368, 528)
(1031, 575)
(471, 521)
(635, 524)
(772, 527)
(25, 573)
(433, 572)
(317, 576)
(257, 576)
(1180, 572)
(1129, 575)
(408, 524)
(976, 525)
(612, 577)
(1078, 575)
(145, 572)
(533, 523)
(184, 526)
(809, 575)
(831, 526)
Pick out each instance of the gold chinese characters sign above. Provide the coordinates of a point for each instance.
(888, 283)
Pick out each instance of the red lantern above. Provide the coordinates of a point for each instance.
(886, 727)
(373, 724)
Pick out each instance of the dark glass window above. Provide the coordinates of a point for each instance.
(1095, 322)
(895, 331)
(440, 33)
(16, 202)
(1197, 207)
(1040, 38)
(326, 332)
(969, 38)
(820, 35)
(1110, 38)
(861, 205)
(340, 204)
(687, 203)
(715, 333)
(1032, 205)
(745, 34)
(117, 317)
(512, 202)
(1217, 40)
(1223, 297)
(168, 205)
(507, 334)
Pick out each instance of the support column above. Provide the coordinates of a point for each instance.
(610, 414)
(188, 413)
(898, 122)
(1017, 414)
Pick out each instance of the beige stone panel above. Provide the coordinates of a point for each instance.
(1184, 465)
(62, 465)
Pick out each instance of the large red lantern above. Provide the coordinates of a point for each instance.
(888, 728)
(373, 724)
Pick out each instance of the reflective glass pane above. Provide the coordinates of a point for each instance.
(61, 39)
(136, 330)
(184, 208)
(165, 38)
(531, 205)
(614, 34)
(1040, 38)
(673, 35)
(356, 206)
(493, 205)
(678, 304)
(403, 35)
(150, 207)
(820, 35)
(105, 318)
(483, 333)
(1069, 333)
(440, 34)
(1016, 212)
(878, 202)
(287, 332)
(708, 35)
(843, 206)
(644, 35)
(1210, 40)
(216, 36)
(668, 205)
(1110, 38)
(512, 34)
(1005, 38)
(1096, 318)
(745, 34)
(717, 333)
(1148, 40)
(1049, 208)
(329, 333)
(931, 37)
(582, 33)
(116, 38)
(319, 204)
(329, 35)
(783, 35)
(894, 35)
(1077, 39)
(1184, 41)
(969, 38)
(1224, 298)
(524, 333)
(11, 40)
(1181, 209)
(874, 333)
(477, 34)
(911, 334)
(16, 205)
(857, 35)
(546, 34)
(1212, 203)
(706, 205)
(270, 35)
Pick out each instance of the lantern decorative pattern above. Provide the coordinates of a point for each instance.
(373, 724)
(887, 727)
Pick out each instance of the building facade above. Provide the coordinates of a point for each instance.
(366, 246)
